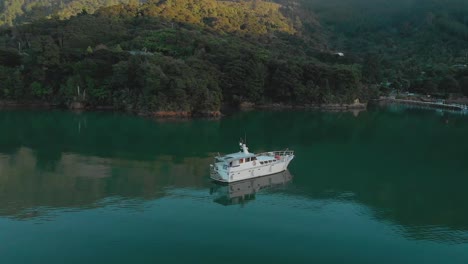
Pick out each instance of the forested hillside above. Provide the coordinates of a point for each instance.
(419, 45)
(159, 56)
(20, 11)
(194, 55)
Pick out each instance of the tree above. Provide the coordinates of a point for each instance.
(429, 87)
(449, 85)
(9, 57)
(464, 85)
(11, 84)
(45, 51)
(371, 68)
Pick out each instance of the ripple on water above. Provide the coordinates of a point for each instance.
(434, 233)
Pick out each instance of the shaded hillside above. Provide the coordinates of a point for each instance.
(411, 44)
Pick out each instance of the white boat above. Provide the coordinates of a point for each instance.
(244, 165)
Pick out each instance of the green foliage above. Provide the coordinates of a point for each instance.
(449, 85)
(182, 55)
(167, 41)
(245, 78)
(254, 17)
(11, 85)
(18, 11)
(257, 17)
(89, 50)
(464, 85)
(9, 57)
(39, 91)
(413, 45)
(118, 48)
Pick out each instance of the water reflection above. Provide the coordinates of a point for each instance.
(435, 233)
(417, 207)
(244, 191)
(29, 190)
(409, 169)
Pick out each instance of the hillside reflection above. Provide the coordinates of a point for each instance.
(423, 201)
(78, 181)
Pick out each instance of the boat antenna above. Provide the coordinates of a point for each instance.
(245, 137)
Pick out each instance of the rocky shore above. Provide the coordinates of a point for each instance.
(26, 104)
(182, 114)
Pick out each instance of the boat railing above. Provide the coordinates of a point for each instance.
(280, 153)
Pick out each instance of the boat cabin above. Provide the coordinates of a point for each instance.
(237, 159)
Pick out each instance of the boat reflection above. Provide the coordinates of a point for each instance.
(244, 191)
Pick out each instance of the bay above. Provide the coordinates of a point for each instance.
(386, 185)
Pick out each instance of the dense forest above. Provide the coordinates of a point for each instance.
(415, 45)
(21, 11)
(195, 55)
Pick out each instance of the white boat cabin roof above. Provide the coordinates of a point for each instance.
(237, 156)
(243, 155)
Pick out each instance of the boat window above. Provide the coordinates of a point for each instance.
(261, 162)
(241, 161)
(247, 159)
(254, 158)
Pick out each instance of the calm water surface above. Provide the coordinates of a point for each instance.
(383, 186)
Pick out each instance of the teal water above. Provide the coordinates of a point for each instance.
(382, 186)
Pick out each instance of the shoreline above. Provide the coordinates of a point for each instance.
(323, 107)
(25, 105)
(225, 110)
(429, 103)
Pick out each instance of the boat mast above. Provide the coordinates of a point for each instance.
(244, 148)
